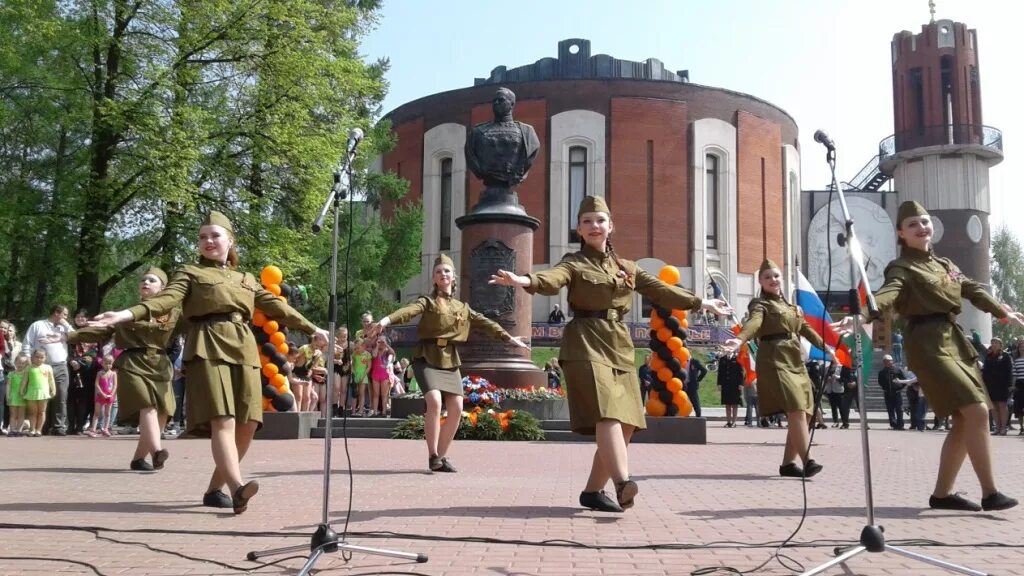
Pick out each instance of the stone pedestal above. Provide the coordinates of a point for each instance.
(498, 234)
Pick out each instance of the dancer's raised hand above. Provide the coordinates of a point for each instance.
(506, 278)
(110, 318)
(720, 307)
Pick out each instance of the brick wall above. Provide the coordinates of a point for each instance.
(648, 178)
(759, 199)
(406, 160)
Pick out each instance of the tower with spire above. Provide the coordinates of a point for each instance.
(941, 150)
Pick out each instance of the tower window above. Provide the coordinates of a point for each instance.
(577, 187)
(446, 205)
(712, 179)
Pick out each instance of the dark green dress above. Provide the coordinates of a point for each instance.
(597, 355)
(926, 290)
(783, 384)
(221, 358)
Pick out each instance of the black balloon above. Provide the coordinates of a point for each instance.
(672, 323)
(278, 359)
(681, 333)
(286, 290)
(671, 409)
(261, 337)
(269, 391)
(665, 396)
(674, 364)
(283, 402)
(654, 336)
(663, 313)
(664, 353)
(268, 349)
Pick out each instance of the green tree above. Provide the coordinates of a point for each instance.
(123, 121)
(1007, 277)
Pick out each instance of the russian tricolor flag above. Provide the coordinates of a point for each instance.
(819, 319)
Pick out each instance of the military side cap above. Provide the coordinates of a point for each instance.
(767, 265)
(444, 259)
(909, 209)
(215, 218)
(153, 270)
(593, 204)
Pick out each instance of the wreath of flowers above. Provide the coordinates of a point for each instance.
(479, 392)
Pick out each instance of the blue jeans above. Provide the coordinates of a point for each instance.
(750, 398)
(179, 402)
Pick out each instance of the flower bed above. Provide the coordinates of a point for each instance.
(480, 424)
(542, 403)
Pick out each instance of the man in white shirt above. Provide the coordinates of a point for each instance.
(51, 336)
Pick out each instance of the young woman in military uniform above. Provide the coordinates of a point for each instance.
(444, 322)
(597, 356)
(221, 358)
(927, 290)
(783, 384)
(145, 397)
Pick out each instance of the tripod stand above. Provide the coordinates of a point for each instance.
(325, 539)
(872, 537)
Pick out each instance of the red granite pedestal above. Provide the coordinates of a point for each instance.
(498, 234)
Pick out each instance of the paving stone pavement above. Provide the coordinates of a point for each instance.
(727, 491)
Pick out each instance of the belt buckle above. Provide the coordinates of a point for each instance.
(613, 314)
(236, 316)
(442, 342)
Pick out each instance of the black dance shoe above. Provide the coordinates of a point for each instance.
(997, 501)
(159, 457)
(216, 499)
(791, 470)
(598, 501)
(811, 468)
(240, 499)
(625, 493)
(440, 464)
(140, 464)
(955, 502)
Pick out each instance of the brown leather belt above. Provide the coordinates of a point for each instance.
(774, 337)
(225, 317)
(608, 314)
(439, 342)
(927, 318)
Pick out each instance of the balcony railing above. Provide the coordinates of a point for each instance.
(950, 134)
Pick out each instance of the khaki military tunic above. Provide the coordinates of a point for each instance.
(144, 372)
(221, 357)
(927, 291)
(597, 355)
(444, 322)
(783, 384)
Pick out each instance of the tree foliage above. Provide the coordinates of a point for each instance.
(1007, 276)
(123, 121)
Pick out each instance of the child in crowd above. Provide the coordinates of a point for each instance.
(397, 384)
(408, 377)
(106, 390)
(15, 396)
(37, 388)
(298, 379)
(361, 360)
(380, 374)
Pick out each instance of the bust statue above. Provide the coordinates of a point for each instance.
(501, 152)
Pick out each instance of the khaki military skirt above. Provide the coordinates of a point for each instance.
(946, 368)
(597, 392)
(135, 392)
(214, 388)
(432, 378)
(783, 385)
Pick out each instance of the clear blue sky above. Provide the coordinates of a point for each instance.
(825, 62)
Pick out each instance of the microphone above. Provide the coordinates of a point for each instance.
(355, 136)
(821, 137)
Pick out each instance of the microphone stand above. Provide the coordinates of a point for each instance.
(325, 539)
(872, 537)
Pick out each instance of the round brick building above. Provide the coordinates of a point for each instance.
(702, 178)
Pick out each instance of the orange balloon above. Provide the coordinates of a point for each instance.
(674, 385)
(674, 343)
(278, 380)
(271, 326)
(274, 289)
(665, 374)
(684, 323)
(264, 359)
(682, 401)
(680, 314)
(657, 323)
(664, 334)
(655, 407)
(267, 405)
(270, 370)
(683, 355)
(259, 318)
(657, 363)
(282, 348)
(277, 338)
(654, 314)
(669, 275)
(271, 275)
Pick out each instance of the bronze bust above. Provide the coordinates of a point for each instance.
(501, 152)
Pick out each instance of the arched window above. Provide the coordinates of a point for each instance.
(446, 205)
(712, 184)
(577, 186)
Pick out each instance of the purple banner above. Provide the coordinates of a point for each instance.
(543, 334)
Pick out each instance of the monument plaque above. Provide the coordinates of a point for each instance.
(484, 260)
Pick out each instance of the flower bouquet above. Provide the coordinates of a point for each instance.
(480, 424)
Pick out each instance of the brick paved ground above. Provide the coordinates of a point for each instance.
(725, 491)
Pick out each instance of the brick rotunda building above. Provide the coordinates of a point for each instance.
(702, 178)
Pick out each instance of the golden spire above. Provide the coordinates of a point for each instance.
(931, 10)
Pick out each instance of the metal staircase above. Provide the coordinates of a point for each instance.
(869, 179)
